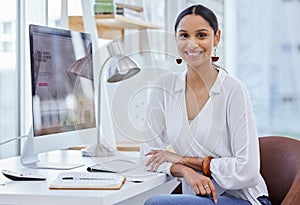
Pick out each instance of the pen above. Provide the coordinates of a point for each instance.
(91, 169)
(134, 180)
(87, 178)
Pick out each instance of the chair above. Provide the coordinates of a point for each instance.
(280, 167)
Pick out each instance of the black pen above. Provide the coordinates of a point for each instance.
(134, 180)
(85, 178)
(91, 169)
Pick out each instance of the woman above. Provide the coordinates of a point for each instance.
(206, 116)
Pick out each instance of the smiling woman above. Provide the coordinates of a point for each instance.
(206, 116)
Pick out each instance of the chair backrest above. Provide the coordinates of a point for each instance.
(280, 164)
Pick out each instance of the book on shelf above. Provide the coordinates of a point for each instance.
(131, 7)
(88, 181)
(103, 7)
(130, 11)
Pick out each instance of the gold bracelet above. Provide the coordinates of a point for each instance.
(206, 166)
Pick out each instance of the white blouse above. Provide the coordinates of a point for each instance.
(225, 129)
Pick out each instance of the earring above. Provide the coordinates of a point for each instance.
(178, 60)
(215, 58)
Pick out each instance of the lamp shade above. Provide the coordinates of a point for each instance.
(120, 67)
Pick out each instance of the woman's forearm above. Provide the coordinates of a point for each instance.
(192, 162)
(178, 170)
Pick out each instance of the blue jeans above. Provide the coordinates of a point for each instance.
(186, 199)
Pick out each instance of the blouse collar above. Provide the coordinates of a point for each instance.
(216, 88)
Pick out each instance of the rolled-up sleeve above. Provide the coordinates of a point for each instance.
(241, 169)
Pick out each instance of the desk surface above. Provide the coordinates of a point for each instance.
(37, 192)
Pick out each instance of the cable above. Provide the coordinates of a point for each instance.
(13, 139)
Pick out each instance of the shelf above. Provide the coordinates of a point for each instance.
(111, 26)
(121, 22)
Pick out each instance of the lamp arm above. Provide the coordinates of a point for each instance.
(99, 103)
(98, 149)
(98, 113)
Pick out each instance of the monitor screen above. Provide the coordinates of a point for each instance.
(62, 80)
(63, 102)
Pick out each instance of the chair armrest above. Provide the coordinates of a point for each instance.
(293, 195)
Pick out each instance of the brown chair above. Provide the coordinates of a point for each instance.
(280, 167)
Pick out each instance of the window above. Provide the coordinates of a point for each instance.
(7, 47)
(267, 61)
(7, 27)
(14, 73)
(54, 10)
(9, 101)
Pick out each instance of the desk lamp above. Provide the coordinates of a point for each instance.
(119, 67)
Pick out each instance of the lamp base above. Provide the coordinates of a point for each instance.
(97, 150)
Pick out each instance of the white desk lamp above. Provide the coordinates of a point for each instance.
(119, 67)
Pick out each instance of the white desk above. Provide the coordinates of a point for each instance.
(37, 192)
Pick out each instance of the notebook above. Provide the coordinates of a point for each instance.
(88, 181)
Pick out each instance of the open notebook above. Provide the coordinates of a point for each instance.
(88, 181)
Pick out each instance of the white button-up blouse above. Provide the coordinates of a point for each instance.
(225, 129)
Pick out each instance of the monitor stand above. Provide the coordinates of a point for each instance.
(30, 159)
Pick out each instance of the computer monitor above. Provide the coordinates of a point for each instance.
(63, 102)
